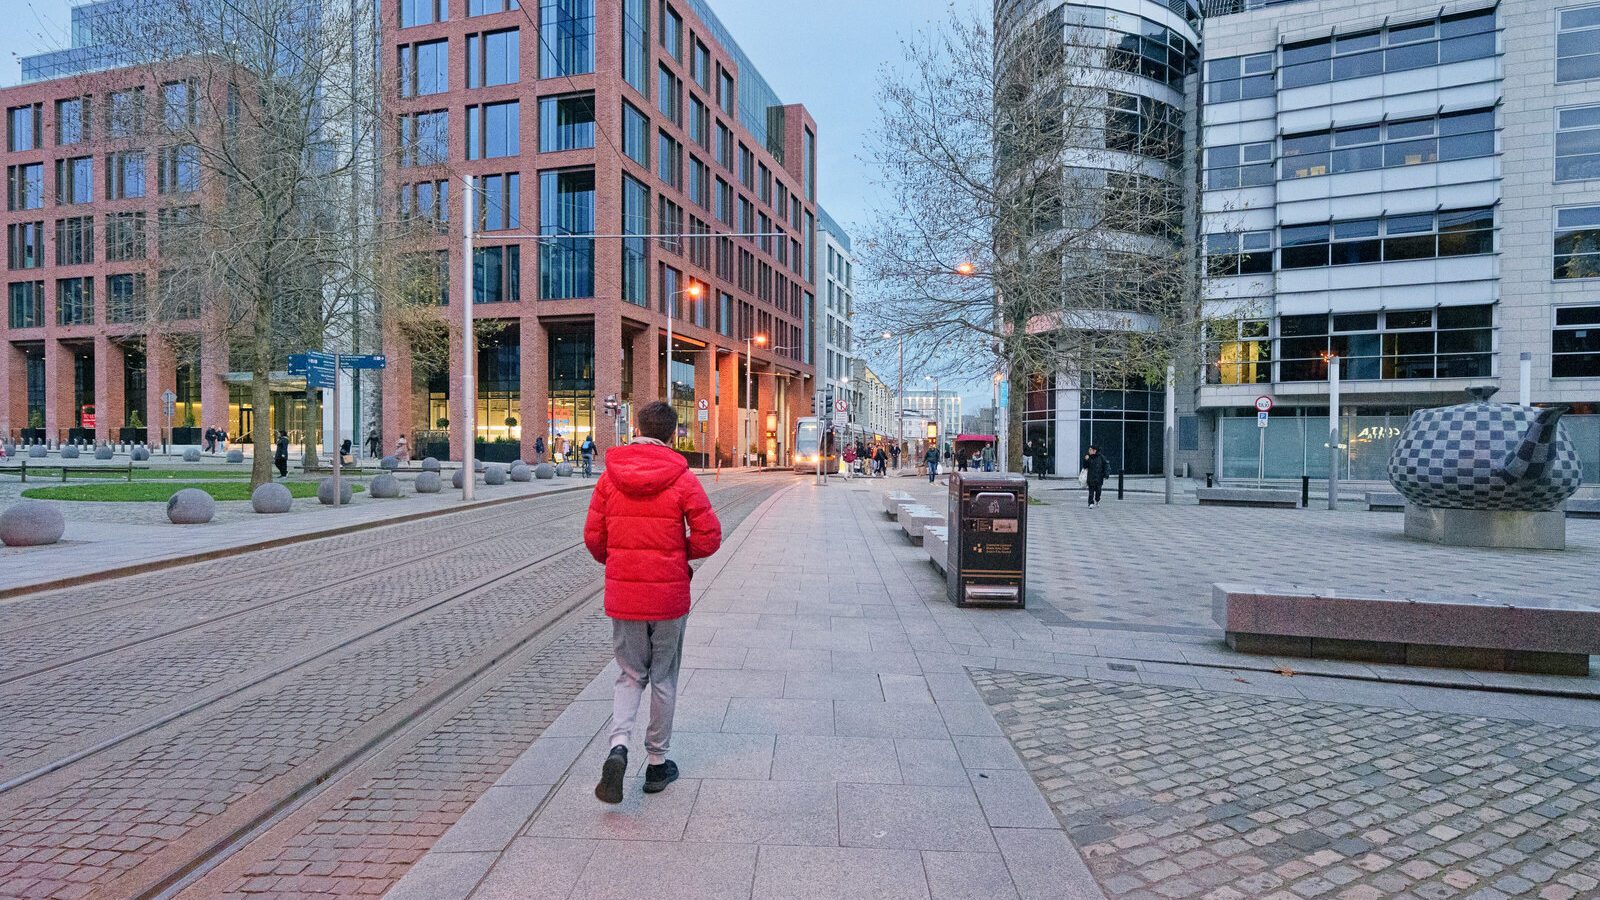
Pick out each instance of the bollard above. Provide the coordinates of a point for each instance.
(1208, 479)
(1119, 485)
(1305, 491)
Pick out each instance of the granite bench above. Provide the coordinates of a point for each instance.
(1549, 637)
(936, 540)
(915, 517)
(1583, 508)
(892, 500)
(1275, 498)
(1385, 501)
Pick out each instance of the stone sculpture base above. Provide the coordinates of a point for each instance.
(1516, 529)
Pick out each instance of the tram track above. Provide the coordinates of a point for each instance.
(489, 639)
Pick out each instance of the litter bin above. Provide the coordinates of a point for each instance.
(988, 540)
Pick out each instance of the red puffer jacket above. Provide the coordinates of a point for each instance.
(636, 529)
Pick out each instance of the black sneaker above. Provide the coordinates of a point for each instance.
(656, 778)
(609, 790)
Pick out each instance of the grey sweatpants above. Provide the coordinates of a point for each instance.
(648, 653)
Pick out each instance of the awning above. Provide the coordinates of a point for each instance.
(975, 438)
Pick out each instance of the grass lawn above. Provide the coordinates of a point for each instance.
(157, 492)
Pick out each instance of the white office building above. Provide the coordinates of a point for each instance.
(836, 336)
(942, 408)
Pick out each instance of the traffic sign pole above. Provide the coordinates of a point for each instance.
(338, 492)
(1263, 411)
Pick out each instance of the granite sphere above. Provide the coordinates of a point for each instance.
(384, 487)
(271, 498)
(191, 454)
(390, 462)
(236, 456)
(191, 506)
(428, 483)
(103, 453)
(544, 471)
(69, 451)
(430, 465)
(31, 523)
(325, 491)
(494, 475)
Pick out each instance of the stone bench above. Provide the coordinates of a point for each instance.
(936, 540)
(916, 517)
(1583, 508)
(1275, 498)
(892, 501)
(1385, 501)
(1549, 637)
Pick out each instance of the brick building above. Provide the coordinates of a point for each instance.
(635, 121)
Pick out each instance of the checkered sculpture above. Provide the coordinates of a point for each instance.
(1486, 456)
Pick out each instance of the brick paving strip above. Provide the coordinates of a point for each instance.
(124, 822)
(1175, 793)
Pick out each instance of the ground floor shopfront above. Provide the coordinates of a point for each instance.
(548, 379)
(1065, 416)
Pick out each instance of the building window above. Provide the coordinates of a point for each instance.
(25, 187)
(1575, 342)
(497, 274)
(425, 277)
(1397, 48)
(1239, 165)
(25, 127)
(72, 121)
(724, 147)
(178, 170)
(699, 179)
(635, 260)
(1411, 142)
(725, 95)
(125, 113)
(1460, 232)
(669, 225)
(808, 167)
(669, 95)
(725, 314)
(671, 31)
(566, 207)
(747, 167)
(1157, 52)
(74, 181)
(669, 159)
(1578, 143)
(566, 44)
(724, 202)
(635, 134)
(178, 229)
(125, 175)
(125, 298)
(700, 65)
(566, 123)
(500, 202)
(1577, 242)
(1578, 43)
(1144, 126)
(428, 201)
(75, 301)
(424, 68)
(636, 44)
(492, 58)
(699, 122)
(423, 12)
(1238, 253)
(25, 245)
(424, 138)
(494, 130)
(26, 304)
(75, 241)
(489, 7)
(180, 108)
(1448, 342)
(125, 236)
(1239, 352)
(1239, 78)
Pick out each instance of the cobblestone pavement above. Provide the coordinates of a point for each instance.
(1175, 793)
(84, 827)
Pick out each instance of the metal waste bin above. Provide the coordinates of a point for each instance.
(988, 540)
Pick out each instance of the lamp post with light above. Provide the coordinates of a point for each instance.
(749, 369)
(1002, 385)
(900, 395)
(694, 290)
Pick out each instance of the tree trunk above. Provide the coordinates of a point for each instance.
(1016, 406)
(261, 431)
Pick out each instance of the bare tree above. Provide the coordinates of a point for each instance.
(1037, 220)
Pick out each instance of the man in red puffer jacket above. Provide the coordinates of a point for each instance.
(648, 518)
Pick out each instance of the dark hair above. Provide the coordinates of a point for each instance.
(658, 420)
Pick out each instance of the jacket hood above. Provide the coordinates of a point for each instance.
(644, 470)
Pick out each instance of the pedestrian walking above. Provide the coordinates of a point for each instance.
(402, 450)
(344, 453)
(894, 455)
(1095, 472)
(849, 461)
(374, 443)
(280, 454)
(932, 459)
(206, 440)
(538, 449)
(644, 503)
(880, 459)
(586, 450)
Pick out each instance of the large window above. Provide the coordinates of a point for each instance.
(178, 229)
(1578, 43)
(125, 113)
(726, 98)
(75, 241)
(492, 58)
(1239, 165)
(1577, 242)
(74, 181)
(494, 130)
(636, 44)
(500, 202)
(566, 207)
(125, 239)
(700, 65)
(26, 304)
(635, 134)
(669, 159)
(566, 123)
(125, 298)
(724, 147)
(25, 187)
(699, 122)
(180, 105)
(1447, 342)
(1409, 142)
(1144, 126)
(72, 121)
(24, 127)
(1238, 253)
(75, 301)
(178, 169)
(1239, 78)
(671, 31)
(424, 68)
(635, 261)
(1457, 232)
(699, 181)
(428, 201)
(1156, 52)
(423, 12)
(1578, 143)
(1397, 48)
(125, 175)
(497, 274)
(25, 245)
(1575, 342)
(566, 43)
(669, 95)
(1239, 352)
(424, 138)
(488, 7)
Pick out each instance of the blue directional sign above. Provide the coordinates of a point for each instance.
(298, 362)
(319, 376)
(364, 361)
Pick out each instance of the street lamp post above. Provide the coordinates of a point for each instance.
(900, 395)
(744, 418)
(693, 290)
(469, 346)
(938, 423)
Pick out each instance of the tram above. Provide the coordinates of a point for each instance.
(813, 439)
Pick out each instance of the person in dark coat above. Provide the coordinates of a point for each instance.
(1096, 471)
(932, 459)
(280, 454)
(374, 443)
(538, 449)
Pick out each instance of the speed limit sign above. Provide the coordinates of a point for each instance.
(1263, 404)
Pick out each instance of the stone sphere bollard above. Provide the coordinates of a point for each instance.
(521, 473)
(271, 498)
(38, 451)
(494, 475)
(428, 483)
(325, 492)
(384, 487)
(564, 470)
(544, 471)
(103, 453)
(235, 456)
(31, 523)
(455, 480)
(390, 462)
(69, 451)
(191, 506)
(477, 465)
(430, 465)
(139, 454)
(192, 454)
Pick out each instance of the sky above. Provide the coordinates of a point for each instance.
(826, 54)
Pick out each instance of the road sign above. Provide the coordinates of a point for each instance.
(841, 406)
(1263, 404)
(704, 409)
(364, 361)
(703, 404)
(169, 402)
(1261, 418)
(320, 376)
